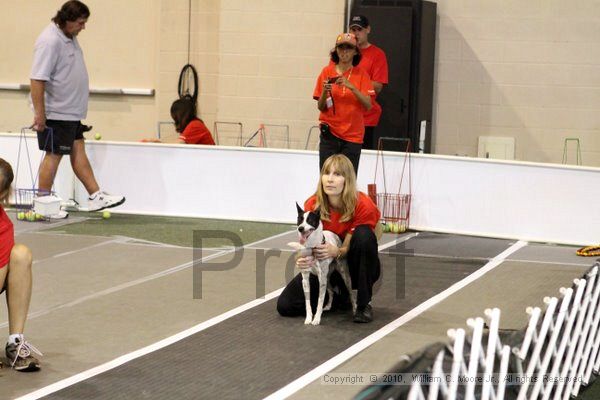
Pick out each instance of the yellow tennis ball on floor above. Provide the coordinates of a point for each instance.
(30, 216)
(106, 214)
(38, 217)
(21, 216)
(97, 136)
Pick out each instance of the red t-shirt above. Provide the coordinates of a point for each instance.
(347, 123)
(374, 62)
(197, 133)
(7, 238)
(365, 213)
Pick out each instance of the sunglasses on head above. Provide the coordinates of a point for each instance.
(345, 47)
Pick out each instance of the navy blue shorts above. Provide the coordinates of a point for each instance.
(59, 136)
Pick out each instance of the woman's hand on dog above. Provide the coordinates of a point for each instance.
(326, 250)
(305, 262)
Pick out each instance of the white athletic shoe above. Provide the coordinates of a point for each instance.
(62, 214)
(102, 200)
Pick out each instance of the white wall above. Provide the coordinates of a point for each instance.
(523, 69)
(526, 201)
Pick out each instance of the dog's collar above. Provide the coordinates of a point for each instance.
(322, 242)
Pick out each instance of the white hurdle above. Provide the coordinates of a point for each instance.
(558, 353)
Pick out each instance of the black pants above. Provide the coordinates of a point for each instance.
(369, 140)
(363, 263)
(330, 144)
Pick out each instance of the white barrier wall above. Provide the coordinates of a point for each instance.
(535, 202)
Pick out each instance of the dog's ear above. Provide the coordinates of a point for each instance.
(318, 211)
(300, 210)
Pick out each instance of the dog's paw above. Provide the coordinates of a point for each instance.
(316, 321)
(307, 321)
(327, 306)
(296, 245)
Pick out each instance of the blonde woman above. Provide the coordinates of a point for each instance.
(15, 279)
(352, 216)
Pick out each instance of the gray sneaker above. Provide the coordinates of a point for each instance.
(20, 356)
(104, 200)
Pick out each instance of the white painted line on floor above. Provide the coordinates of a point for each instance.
(570, 264)
(74, 251)
(172, 339)
(117, 288)
(350, 352)
(148, 349)
(129, 284)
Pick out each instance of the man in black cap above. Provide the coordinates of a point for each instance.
(374, 62)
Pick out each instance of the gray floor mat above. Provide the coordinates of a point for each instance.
(550, 253)
(526, 289)
(446, 245)
(46, 245)
(255, 353)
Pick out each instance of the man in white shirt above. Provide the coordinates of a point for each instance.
(59, 95)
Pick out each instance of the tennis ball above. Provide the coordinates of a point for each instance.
(386, 228)
(30, 216)
(97, 136)
(38, 217)
(21, 216)
(106, 214)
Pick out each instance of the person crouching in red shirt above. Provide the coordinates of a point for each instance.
(15, 279)
(191, 128)
(352, 216)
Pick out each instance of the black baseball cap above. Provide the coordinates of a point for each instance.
(359, 20)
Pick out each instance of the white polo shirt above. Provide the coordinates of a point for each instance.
(58, 60)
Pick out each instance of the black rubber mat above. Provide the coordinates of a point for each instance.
(446, 245)
(257, 352)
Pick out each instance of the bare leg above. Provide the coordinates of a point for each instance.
(48, 168)
(18, 291)
(82, 168)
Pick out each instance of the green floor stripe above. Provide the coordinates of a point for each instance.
(170, 230)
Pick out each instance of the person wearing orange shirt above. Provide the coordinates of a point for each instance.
(374, 62)
(352, 216)
(343, 92)
(191, 128)
(15, 279)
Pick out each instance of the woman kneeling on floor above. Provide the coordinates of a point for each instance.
(353, 217)
(15, 279)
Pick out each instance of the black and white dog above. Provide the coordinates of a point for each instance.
(311, 234)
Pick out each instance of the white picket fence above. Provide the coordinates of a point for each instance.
(558, 354)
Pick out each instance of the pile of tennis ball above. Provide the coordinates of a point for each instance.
(394, 227)
(29, 216)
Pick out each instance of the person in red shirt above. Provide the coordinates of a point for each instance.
(15, 279)
(191, 128)
(351, 215)
(374, 62)
(343, 92)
